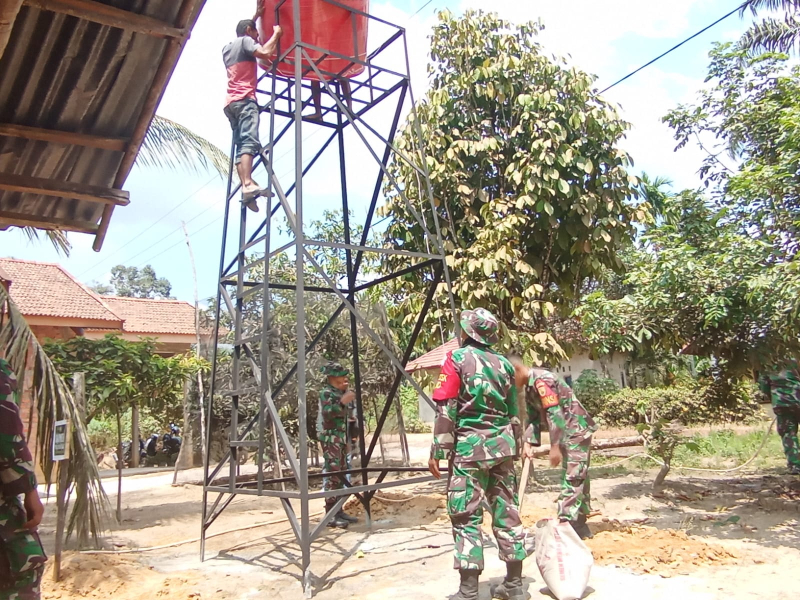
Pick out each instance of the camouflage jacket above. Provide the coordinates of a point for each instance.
(16, 464)
(333, 424)
(477, 417)
(567, 419)
(782, 386)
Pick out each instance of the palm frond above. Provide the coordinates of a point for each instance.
(772, 35)
(787, 6)
(53, 400)
(57, 237)
(171, 145)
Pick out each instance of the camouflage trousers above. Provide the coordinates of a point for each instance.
(22, 557)
(788, 422)
(494, 482)
(575, 497)
(335, 459)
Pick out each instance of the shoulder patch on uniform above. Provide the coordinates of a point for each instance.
(548, 396)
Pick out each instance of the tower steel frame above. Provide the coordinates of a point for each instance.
(284, 103)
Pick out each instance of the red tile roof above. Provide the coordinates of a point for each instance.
(433, 359)
(149, 316)
(47, 290)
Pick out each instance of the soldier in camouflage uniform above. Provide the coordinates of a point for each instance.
(571, 429)
(783, 387)
(334, 401)
(476, 430)
(22, 557)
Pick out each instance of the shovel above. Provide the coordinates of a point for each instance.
(523, 480)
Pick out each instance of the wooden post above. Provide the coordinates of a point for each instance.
(61, 515)
(401, 428)
(79, 389)
(135, 436)
(119, 464)
(198, 348)
(185, 455)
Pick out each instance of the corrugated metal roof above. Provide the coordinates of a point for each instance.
(65, 73)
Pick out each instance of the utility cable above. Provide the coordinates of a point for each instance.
(148, 227)
(660, 56)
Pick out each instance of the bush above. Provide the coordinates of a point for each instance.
(409, 401)
(687, 404)
(592, 389)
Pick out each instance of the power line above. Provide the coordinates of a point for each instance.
(660, 56)
(420, 9)
(147, 228)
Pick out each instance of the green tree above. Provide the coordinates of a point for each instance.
(377, 372)
(701, 287)
(771, 34)
(529, 184)
(752, 109)
(120, 374)
(131, 282)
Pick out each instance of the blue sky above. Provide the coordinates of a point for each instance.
(608, 39)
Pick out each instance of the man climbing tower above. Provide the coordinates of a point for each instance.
(241, 108)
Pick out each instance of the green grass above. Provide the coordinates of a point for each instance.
(721, 449)
(725, 449)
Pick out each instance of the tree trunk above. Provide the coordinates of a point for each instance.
(119, 465)
(662, 475)
(135, 436)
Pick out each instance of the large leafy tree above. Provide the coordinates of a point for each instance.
(132, 282)
(719, 278)
(700, 286)
(751, 111)
(120, 374)
(530, 186)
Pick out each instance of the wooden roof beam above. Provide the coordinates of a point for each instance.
(63, 137)
(22, 220)
(187, 17)
(63, 189)
(96, 12)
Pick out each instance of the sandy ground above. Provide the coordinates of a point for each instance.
(735, 537)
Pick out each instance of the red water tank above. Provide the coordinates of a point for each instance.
(323, 25)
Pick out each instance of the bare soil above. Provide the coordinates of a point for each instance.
(709, 537)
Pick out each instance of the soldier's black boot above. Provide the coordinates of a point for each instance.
(345, 517)
(469, 585)
(336, 522)
(581, 528)
(511, 588)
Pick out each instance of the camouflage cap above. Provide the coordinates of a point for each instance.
(480, 325)
(334, 369)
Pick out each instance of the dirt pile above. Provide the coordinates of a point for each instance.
(121, 578)
(402, 509)
(644, 549)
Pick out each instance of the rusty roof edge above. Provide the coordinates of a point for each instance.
(186, 19)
